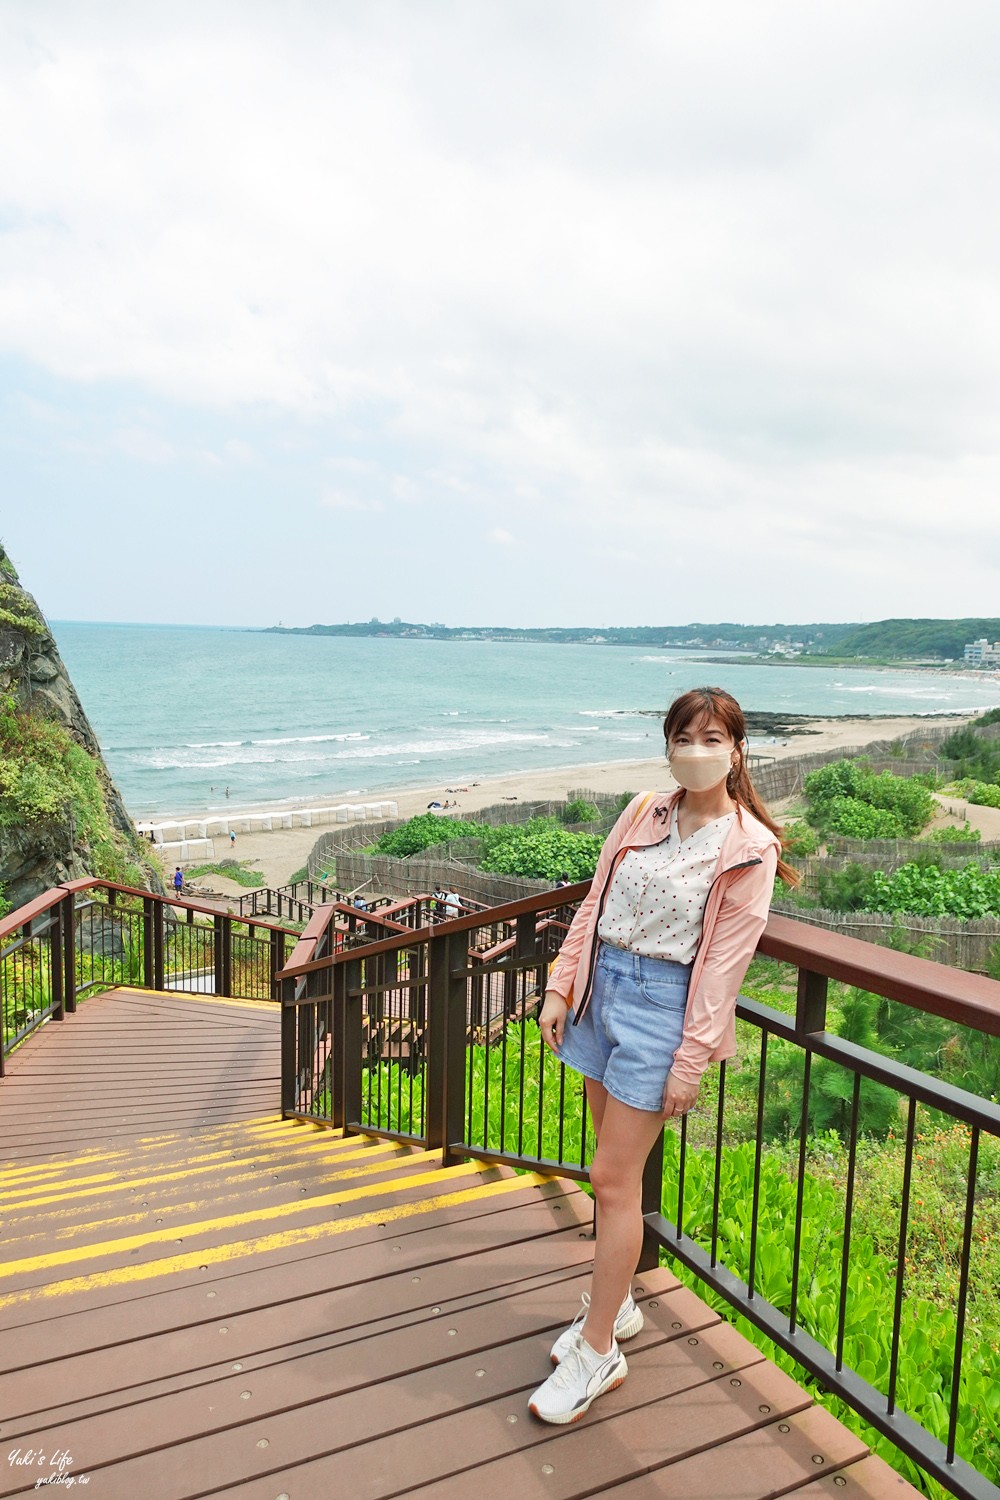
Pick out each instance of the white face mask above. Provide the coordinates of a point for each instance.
(700, 767)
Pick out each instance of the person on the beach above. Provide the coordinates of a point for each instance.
(232, 839)
(642, 998)
(178, 881)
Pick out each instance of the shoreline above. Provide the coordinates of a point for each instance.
(280, 853)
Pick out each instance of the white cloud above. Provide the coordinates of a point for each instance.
(500, 537)
(718, 276)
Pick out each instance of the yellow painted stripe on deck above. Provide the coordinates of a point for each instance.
(74, 1192)
(263, 1124)
(244, 1249)
(272, 1153)
(174, 1232)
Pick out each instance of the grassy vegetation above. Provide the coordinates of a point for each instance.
(237, 870)
(45, 776)
(502, 1092)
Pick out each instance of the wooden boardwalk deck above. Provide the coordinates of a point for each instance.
(197, 1298)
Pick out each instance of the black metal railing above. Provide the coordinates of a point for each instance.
(429, 1036)
(91, 934)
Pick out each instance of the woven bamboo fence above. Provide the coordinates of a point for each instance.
(964, 945)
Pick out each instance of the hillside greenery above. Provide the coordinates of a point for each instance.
(45, 776)
(921, 639)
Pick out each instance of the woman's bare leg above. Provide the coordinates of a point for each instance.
(625, 1139)
(597, 1098)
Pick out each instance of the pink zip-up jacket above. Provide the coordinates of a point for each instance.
(735, 916)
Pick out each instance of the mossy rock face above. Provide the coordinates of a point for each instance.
(61, 815)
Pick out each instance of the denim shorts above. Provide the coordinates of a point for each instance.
(627, 1037)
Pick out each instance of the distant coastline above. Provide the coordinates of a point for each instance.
(900, 644)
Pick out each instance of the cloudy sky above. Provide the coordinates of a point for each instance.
(501, 311)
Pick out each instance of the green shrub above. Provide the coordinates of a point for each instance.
(539, 850)
(961, 835)
(838, 794)
(579, 811)
(422, 833)
(853, 819)
(800, 839)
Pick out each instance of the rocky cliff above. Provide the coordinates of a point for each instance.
(61, 815)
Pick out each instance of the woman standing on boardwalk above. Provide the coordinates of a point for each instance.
(643, 996)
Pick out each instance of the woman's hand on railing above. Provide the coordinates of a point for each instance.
(552, 1020)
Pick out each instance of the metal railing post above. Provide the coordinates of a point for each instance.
(437, 1001)
(652, 1202)
(148, 971)
(810, 1001)
(68, 911)
(354, 1040)
(223, 954)
(341, 1058)
(447, 1024)
(159, 967)
(289, 1078)
(56, 974)
(277, 961)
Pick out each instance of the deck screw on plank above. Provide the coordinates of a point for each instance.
(764, 1409)
(818, 1458)
(512, 1419)
(209, 1294)
(735, 1381)
(237, 1367)
(262, 1442)
(717, 1364)
(694, 1341)
(547, 1469)
(480, 1374)
(839, 1479)
(783, 1427)
(245, 1395)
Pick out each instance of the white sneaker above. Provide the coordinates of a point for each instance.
(580, 1377)
(628, 1322)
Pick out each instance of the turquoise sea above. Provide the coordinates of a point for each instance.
(184, 712)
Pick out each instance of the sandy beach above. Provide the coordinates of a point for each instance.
(280, 853)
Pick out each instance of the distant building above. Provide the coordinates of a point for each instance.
(981, 654)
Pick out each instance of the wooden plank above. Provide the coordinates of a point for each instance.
(767, 1461)
(869, 1479)
(458, 1433)
(79, 1385)
(403, 1380)
(106, 1315)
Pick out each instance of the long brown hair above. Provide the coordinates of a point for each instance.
(715, 703)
